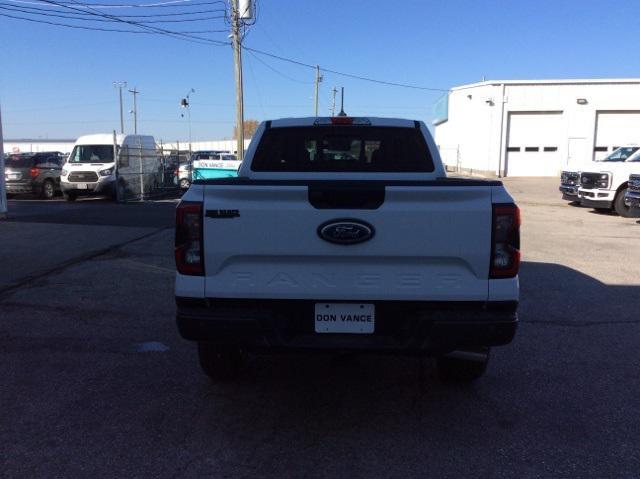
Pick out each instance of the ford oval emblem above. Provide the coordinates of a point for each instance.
(345, 231)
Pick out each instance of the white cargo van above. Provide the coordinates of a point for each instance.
(91, 167)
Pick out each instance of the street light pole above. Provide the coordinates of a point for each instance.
(120, 85)
(186, 103)
(333, 104)
(135, 110)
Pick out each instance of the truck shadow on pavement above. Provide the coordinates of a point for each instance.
(577, 343)
(561, 397)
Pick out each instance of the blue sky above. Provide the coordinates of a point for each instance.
(57, 82)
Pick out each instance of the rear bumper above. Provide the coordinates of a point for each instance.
(19, 188)
(401, 327)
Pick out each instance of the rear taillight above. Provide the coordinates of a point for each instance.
(188, 243)
(34, 172)
(176, 172)
(505, 241)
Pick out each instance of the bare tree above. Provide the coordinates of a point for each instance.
(250, 127)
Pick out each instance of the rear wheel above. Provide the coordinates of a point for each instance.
(184, 184)
(463, 366)
(70, 196)
(618, 205)
(221, 363)
(48, 190)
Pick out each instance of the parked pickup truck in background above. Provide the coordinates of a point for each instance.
(632, 197)
(344, 234)
(569, 184)
(570, 179)
(606, 186)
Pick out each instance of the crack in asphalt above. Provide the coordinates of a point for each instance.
(73, 261)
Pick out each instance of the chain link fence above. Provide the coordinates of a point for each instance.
(146, 172)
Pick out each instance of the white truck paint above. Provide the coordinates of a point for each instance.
(605, 187)
(346, 221)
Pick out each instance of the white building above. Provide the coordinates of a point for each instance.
(65, 146)
(535, 127)
(225, 145)
(35, 146)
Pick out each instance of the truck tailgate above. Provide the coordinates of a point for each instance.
(431, 243)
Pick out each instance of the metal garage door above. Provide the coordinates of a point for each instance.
(614, 129)
(533, 145)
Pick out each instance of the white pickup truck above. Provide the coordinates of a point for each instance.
(632, 198)
(570, 179)
(344, 234)
(605, 187)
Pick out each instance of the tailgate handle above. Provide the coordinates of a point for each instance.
(346, 197)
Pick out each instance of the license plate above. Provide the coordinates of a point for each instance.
(81, 186)
(12, 176)
(349, 318)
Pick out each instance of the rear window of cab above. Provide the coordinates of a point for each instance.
(343, 149)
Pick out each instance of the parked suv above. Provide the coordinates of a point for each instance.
(34, 173)
(182, 176)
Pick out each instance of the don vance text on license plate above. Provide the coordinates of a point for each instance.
(353, 318)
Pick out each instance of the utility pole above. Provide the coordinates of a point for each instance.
(237, 50)
(333, 103)
(3, 188)
(135, 110)
(120, 85)
(317, 83)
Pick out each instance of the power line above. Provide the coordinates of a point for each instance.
(94, 28)
(349, 75)
(196, 39)
(162, 31)
(270, 67)
(170, 4)
(83, 18)
(85, 14)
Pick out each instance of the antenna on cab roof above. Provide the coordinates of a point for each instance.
(342, 113)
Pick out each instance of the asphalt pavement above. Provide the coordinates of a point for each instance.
(98, 383)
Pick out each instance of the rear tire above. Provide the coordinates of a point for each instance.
(48, 190)
(619, 206)
(184, 184)
(70, 196)
(221, 363)
(463, 367)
